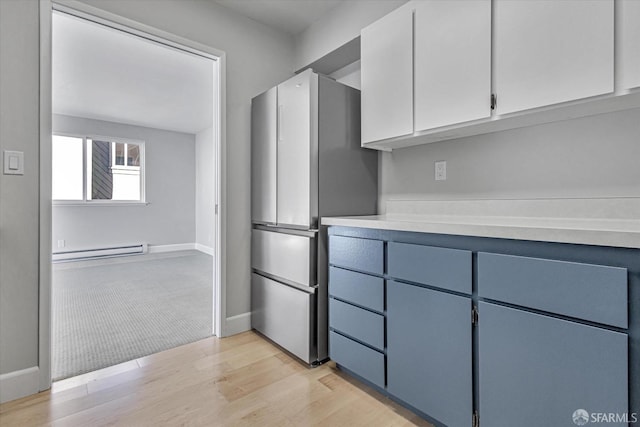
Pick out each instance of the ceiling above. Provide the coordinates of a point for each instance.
(105, 74)
(290, 16)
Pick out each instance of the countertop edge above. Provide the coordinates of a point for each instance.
(584, 236)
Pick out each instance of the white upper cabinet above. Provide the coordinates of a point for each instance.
(630, 43)
(430, 67)
(551, 51)
(452, 62)
(386, 51)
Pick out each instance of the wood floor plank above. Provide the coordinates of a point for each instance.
(242, 380)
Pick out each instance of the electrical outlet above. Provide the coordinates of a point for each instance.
(61, 243)
(441, 170)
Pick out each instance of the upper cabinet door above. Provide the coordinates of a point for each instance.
(551, 51)
(452, 62)
(297, 139)
(263, 157)
(386, 52)
(630, 43)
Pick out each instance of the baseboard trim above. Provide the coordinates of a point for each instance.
(205, 249)
(156, 249)
(17, 384)
(237, 324)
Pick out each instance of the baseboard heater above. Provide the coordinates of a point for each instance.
(140, 248)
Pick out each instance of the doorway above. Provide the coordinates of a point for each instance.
(91, 213)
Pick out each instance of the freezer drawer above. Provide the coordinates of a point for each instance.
(285, 315)
(287, 256)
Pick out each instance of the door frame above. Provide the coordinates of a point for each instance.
(45, 211)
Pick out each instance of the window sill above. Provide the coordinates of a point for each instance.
(103, 204)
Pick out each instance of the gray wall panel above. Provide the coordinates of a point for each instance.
(170, 182)
(19, 130)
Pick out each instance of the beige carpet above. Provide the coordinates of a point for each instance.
(110, 311)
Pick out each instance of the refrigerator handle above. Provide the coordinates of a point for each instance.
(280, 114)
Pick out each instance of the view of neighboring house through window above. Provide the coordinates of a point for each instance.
(97, 169)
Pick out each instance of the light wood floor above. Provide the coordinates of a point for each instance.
(240, 380)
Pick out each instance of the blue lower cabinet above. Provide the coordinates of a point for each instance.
(537, 370)
(358, 358)
(556, 342)
(429, 352)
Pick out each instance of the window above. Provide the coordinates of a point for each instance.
(97, 169)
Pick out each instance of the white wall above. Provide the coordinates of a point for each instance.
(349, 75)
(205, 189)
(339, 26)
(591, 157)
(19, 130)
(170, 184)
(257, 59)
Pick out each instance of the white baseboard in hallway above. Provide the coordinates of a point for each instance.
(237, 324)
(204, 249)
(17, 384)
(156, 249)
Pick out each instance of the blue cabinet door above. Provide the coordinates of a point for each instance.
(429, 352)
(537, 370)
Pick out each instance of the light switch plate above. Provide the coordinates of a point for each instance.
(13, 162)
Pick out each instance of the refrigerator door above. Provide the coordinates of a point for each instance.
(263, 157)
(285, 315)
(297, 176)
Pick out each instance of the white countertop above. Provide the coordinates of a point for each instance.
(619, 231)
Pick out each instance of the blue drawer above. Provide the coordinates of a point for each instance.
(439, 267)
(584, 291)
(357, 254)
(356, 322)
(361, 289)
(361, 360)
